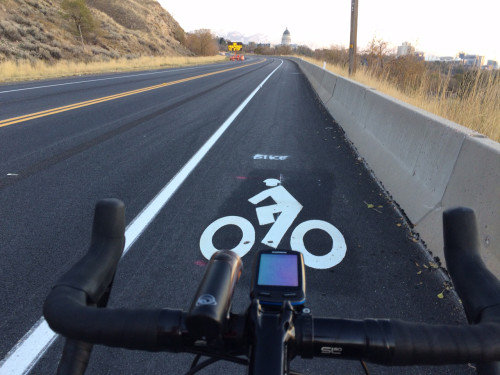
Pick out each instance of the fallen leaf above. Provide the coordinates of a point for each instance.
(419, 272)
(398, 225)
(440, 295)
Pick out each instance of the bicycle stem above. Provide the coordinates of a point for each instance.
(272, 330)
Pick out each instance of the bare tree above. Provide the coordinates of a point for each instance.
(335, 55)
(284, 50)
(305, 51)
(202, 42)
(376, 53)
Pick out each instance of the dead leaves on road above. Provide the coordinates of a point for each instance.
(447, 288)
(431, 266)
(372, 207)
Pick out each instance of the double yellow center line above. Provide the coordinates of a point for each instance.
(65, 108)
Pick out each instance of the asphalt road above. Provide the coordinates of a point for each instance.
(129, 135)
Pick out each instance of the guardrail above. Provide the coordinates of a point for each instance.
(427, 163)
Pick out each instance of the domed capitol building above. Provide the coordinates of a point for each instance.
(286, 39)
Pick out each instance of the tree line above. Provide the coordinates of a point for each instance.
(409, 73)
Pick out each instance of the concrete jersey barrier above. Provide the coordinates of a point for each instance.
(427, 163)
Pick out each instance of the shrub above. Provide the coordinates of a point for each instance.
(406, 73)
(11, 31)
(179, 34)
(21, 20)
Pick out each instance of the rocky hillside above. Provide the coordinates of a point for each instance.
(48, 30)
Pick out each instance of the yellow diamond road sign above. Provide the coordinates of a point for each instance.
(235, 46)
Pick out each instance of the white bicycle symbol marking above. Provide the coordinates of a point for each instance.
(287, 208)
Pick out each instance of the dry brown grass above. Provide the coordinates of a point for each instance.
(477, 109)
(25, 70)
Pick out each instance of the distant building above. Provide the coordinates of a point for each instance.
(492, 65)
(286, 39)
(445, 59)
(472, 61)
(420, 55)
(406, 49)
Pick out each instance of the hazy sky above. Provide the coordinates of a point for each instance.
(437, 27)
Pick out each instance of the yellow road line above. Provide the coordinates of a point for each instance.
(48, 112)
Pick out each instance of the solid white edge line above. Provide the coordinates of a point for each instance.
(137, 226)
(26, 353)
(88, 81)
(101, 79)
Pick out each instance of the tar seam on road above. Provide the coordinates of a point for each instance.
(52, 111)
(31, 347)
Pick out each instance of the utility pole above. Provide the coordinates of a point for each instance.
(354, 36)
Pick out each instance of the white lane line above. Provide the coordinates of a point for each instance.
(99, 79)
(140, 223)
(26, 353)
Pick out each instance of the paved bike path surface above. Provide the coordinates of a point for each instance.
(283, 135)
(54, 168)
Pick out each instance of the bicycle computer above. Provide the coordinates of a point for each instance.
(279, 275)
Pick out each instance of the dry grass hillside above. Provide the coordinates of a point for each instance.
(37, 30)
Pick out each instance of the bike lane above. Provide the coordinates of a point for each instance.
(128, 172)
(284, 156)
